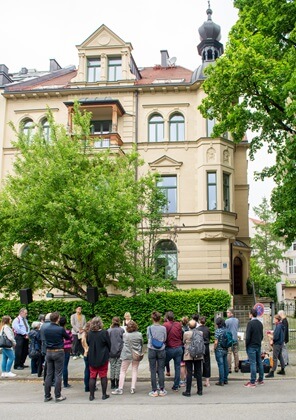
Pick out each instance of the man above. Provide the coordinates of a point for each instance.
(54, 339)
(43, 327)
(232, 325)
(21, 330)
(78, 322)
(254, 337)
(174, 346)
(277, 341)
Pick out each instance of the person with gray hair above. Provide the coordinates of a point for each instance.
(285, 323)
(232, 325)
(43, 327)
(35, 349)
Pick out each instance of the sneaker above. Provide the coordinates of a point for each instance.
(3, 375)
(162, 393)
(46, 399)
(249, 385)
(117, 391)
(182, 383)
(175, 389)
(75, 357)
(59, 399)
(81, 356)
(133, 390)
(259, 382)
(10, 375)
(281, 372)
(68, 386)
(153, 394)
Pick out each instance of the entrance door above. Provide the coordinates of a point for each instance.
(237, 276)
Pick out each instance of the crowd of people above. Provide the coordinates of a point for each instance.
(50, 345)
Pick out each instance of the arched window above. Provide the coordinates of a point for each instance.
(45, 129)
(156, 128)
(27, 127)
(166, 259)
(177, 128)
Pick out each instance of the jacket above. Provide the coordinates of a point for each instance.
(132, 341)
(116, 338)
(99, 346)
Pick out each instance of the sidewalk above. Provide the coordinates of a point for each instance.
(76, 370)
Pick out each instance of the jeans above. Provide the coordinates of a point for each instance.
(221, 358)
(7, 359)
(176, 354)
(124, 366)
(157, 364)
(65, 368)
(55, 365)
(254, 355)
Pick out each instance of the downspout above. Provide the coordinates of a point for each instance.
(136, 128)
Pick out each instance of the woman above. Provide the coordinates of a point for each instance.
(206, 367)
(221, 353)
(156, 356)
(184, 322)
(35, 349)
(285, 323)
(116, 338)
(67, 351)
(132, 341)
(7, 354)
(190, 363)
(85, 356)
(99, 346)
(127, 318)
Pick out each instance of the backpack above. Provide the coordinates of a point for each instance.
(197, 346)
(226, 339)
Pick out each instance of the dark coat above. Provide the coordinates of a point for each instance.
(99, 348)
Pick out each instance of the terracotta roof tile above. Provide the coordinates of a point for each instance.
(150, 74)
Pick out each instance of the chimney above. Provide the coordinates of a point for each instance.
(4, 77)
(54, 65)
(164, 58)
(23, 70)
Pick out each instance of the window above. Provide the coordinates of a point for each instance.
(292, 265)
(93, 69)
(114, 69)
(101, 143)
(210, 127)
(294, 246)
(166, 259)
(168, 185)
(156, 128)
(101, 127)
(226, 192)
(177, 128)
(212, 190)
(27, 127)
(45, 129)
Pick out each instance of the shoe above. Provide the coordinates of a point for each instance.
(91, 398)
(199, 392)
(259, 382)
(3, 375)
(249, 385)
(162, 393)
(113, 384)
(10, 375)
(281, 372)
(168, 374)
(46, 399)
(207, 385)
(68, 386)
(117, 391)
(20, 368)
(219, 383)
(133, 390)
(153, 394)
(230, 371)
(81, 356)
(270, 375)
(236, 370)
(225, 382)
(175, 389)
(105, 397)
(59, 399)
(182, 383)
(186, 394)
(75, 357)
(25, 366)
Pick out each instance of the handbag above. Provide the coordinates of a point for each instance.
(157, 344)
(34, 354)
(5, 343)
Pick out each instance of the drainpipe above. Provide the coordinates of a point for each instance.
(136, 128)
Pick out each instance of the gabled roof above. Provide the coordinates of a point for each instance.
(103, 36)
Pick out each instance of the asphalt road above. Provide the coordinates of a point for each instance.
(277, 399)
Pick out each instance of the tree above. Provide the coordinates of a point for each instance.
(253, 87)
(267, 252)
(75, 211)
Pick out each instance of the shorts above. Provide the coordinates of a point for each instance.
(101, 371)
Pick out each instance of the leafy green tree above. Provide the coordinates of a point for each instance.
(267, 252)
(253, 87)
(75, 211)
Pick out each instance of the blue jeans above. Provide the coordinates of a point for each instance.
(221, 358)
(86, 374)
(176, 354)
(157, 364)
(55, 364)
(7, 359)
(254, 355)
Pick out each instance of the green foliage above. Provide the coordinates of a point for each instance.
(77, 211)
(253, 87)
(182, 303)
(265, 285)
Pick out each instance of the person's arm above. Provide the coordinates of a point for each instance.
(66, 335)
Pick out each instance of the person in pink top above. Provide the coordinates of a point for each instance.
(67, 351)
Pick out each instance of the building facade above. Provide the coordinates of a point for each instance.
(155, 110)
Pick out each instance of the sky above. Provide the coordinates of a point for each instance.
(32, 32)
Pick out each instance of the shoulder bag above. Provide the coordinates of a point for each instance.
(137, 357)
(5, 343)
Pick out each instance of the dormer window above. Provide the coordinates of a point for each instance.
(93, 69)
(114, 69)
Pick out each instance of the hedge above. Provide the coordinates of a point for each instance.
(182, 303)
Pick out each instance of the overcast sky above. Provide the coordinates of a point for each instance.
(32, 32)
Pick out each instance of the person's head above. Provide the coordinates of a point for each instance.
(229, 312)
(282, 314)
(192, 324)
(277, 319)
(220, 322)
(253, 313)
(115, 322)
(155, 316)
(132, 326)
(54, 317)
(47, 316)
(6, 320)
(41, 318)
(195, 317)
(36, 325)
(127, 316)
(23, 312)
(63, 321)
(96, 324)
(202, 320)
(170, 316)
(184, 321)
(78, 310)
